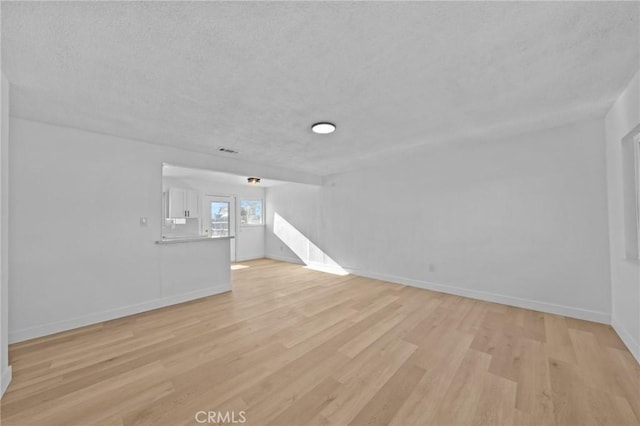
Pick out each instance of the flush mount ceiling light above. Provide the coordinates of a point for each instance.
(323, 128)
(254, 180)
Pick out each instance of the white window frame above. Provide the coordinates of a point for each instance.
(250, 225)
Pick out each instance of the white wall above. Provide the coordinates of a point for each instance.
(299, 205)
(249, 239)
(623, 117)
(521, 221)
(78, 252)
(5, 369)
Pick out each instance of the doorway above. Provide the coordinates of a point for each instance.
(220, 219)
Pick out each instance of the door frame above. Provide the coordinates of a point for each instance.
(233, 225)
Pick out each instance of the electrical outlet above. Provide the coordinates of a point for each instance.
(431, 267)
(281, 248)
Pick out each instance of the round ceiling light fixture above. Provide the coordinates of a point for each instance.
(323, 128)
(254, 180)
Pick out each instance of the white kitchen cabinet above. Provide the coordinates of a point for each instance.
(183, 203)
(192, 203)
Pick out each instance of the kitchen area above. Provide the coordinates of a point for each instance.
(205, 205)
(210, 219)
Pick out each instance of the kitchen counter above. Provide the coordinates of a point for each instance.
(178, 240)
(194, 270)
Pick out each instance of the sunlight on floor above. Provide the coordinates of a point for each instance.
(312, 256)
(237, 266)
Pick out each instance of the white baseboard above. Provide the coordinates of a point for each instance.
(285, 259)
(5, 380)
(69, 324)
(632, 344)
(568, 311)
(250, 257)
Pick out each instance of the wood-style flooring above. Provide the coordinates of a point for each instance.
(291, 346)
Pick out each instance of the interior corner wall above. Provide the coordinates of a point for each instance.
(520, 220)
(5, 369)
(621, 119)
(78, 251)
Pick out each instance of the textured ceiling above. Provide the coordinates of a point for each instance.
(200, 175)
(255, 76)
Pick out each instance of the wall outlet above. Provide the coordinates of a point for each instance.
(281, 248)
(431, 267)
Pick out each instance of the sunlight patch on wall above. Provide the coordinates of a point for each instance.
(309, 253)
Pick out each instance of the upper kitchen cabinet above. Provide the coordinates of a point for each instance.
(183, 203)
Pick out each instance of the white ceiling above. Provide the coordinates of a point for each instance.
(253, 76)
(202, 175)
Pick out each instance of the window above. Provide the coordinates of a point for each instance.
(251, 212)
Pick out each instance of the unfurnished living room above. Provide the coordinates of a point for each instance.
(320, 213)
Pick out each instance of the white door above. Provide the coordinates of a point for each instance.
(219, 219)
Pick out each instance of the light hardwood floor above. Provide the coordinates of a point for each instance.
(291, 346)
